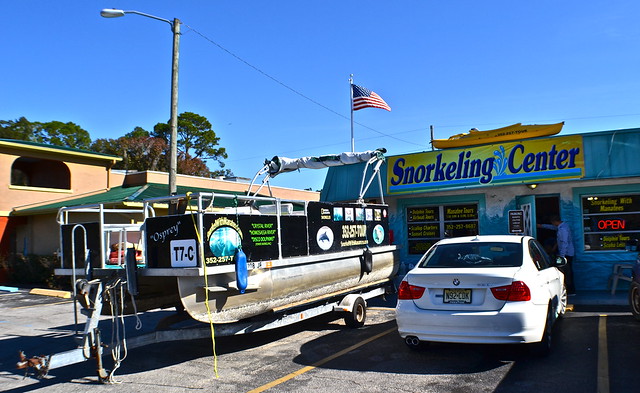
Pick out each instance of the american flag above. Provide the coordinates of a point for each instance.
(365, 98)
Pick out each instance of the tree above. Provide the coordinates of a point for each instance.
(192, 166)
(137, 133)
(21, 129)
(139, 150)
(63, 134)
(106, 146)
(53, 133)
(196, 142)
(143, 153)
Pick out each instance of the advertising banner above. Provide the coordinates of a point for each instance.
(335, 227)
(517, 162)
(172, 241)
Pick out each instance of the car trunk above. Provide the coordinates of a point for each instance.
(460, 289)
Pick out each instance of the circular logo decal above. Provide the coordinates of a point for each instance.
(324, 238)
(378, 234)
(224, 241)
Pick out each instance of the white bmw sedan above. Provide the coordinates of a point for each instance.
(482, 289)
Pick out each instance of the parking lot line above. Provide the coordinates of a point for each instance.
(603, 356)
(320, 362)
(41, 304)
(51, 292)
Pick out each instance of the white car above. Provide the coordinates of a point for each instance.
(482, 289)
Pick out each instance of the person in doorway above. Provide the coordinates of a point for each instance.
(564, 248)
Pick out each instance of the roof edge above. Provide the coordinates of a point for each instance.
(28, 145)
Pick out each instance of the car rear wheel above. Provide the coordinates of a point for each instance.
(543, 348)
(634, 299)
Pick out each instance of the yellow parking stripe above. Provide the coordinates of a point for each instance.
(319, 363)
(51, 292)
(603, 356)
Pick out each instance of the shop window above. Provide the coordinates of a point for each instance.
(40, 173)
(428, 224)
(611, 222)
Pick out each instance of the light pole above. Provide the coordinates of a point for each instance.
(173, 146)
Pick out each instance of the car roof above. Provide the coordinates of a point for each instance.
(485, 238)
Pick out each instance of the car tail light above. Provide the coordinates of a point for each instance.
(409, 292)
(518, 291)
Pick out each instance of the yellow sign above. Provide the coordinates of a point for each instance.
(528, 161)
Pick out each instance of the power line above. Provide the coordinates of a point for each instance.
(265, 74)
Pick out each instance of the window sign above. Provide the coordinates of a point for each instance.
(516, 221)
(611, 222)
(428, 224)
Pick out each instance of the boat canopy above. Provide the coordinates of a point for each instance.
(278, 165)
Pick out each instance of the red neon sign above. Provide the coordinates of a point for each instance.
(611, 224)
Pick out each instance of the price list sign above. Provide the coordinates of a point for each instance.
(422, 214)
(428, 224)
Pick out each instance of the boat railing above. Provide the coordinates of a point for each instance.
(114, 233)
(200, 203)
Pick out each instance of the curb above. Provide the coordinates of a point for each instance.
(51, 292)
(8, 289)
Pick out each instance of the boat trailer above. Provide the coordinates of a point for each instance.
(91, 294)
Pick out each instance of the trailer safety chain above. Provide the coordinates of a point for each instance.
(114, 291)
(206, 291)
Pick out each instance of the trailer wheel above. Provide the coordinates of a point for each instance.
(358, 314)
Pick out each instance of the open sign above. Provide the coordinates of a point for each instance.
(611, 224)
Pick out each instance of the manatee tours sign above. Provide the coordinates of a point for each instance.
(516, 162)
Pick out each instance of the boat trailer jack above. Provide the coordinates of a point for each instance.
(90, 297)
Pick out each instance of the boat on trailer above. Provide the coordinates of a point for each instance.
(241, 263)
(235, 263)
(226, 264)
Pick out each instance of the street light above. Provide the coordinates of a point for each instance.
(173, 146)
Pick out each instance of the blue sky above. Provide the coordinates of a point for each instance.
(280, 86)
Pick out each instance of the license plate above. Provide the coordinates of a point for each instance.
(457, 296)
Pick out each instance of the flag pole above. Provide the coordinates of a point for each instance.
(353, 147)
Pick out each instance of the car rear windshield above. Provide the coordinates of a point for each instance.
(486, 254)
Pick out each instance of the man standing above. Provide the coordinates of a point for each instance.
(564, 248)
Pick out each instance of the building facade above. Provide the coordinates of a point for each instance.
(592, 181)
(35, 173)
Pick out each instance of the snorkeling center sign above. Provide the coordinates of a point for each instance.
(517, 162)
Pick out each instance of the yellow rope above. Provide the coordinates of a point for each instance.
(206, 294)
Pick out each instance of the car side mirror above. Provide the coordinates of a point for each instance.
(561, 261)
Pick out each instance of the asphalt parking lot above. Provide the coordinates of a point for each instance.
(322, 355)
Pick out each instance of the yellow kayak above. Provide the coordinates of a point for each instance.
(513, 132)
